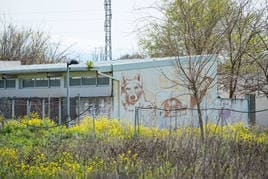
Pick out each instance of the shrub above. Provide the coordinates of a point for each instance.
(34, 147)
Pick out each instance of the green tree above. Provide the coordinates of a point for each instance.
(242, 24)
(193, 27)
(189, 27)
(258, 56)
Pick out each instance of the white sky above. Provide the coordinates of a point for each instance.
(78, 22)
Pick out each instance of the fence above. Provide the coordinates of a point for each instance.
(174, 118)
(55, 108)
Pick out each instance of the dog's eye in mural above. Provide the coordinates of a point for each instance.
(132, 93)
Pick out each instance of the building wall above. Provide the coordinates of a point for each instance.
(261, 103)
(151, 87)
(143, 86)
(261, 117)
(237, 113)
(61, 91)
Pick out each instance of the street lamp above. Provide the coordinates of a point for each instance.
(72, 62)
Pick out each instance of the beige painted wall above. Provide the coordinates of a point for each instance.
(149, 87)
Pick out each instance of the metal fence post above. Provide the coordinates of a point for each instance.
(135, 121)
(138, 120)
(43, 108)
(94, 116)
(251, 109)
(78, 109)
(48, 107)
(59, 116)
(28, 107)
(13, 108)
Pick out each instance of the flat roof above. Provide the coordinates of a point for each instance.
(102, 66)
(7, 64)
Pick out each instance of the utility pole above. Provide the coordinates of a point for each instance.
(108, 29)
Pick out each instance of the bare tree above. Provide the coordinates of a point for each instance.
(28, 46)
(259, 57)
(189, 28)
(242, 24)
(98, 54)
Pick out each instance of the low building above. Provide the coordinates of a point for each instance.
(114, 89)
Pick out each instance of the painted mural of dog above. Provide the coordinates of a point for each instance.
(132, 93)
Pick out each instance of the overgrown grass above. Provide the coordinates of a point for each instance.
(36, 148)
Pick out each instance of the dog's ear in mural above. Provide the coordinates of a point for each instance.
(138, 77)
(132, 93)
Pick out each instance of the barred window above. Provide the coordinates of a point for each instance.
(54, 82)
(75, 81)
(89, 81)
(2, 83)
(41, 82)
(103, 81)
(10, 83)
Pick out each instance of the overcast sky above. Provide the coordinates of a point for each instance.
(78, 22)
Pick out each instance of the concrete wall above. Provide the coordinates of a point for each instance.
(233, 110)
(261, 117)
(151, 87)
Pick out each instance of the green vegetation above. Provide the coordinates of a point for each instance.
(90, 64)
(34, 148)
(234, 29)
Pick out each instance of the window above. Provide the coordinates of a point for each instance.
(103, 81)
(89, 81)
(75, 81)
(7, 83)
(41, 82)
(10, 83)
(28, 83)
(54, 82)
(2, 83)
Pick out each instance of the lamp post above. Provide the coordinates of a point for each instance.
(72, 62)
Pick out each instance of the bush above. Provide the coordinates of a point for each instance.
(35, 147)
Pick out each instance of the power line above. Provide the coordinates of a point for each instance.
(203, 109)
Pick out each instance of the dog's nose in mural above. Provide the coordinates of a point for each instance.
(133, 98)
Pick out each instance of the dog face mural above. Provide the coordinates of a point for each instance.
(132, 93)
